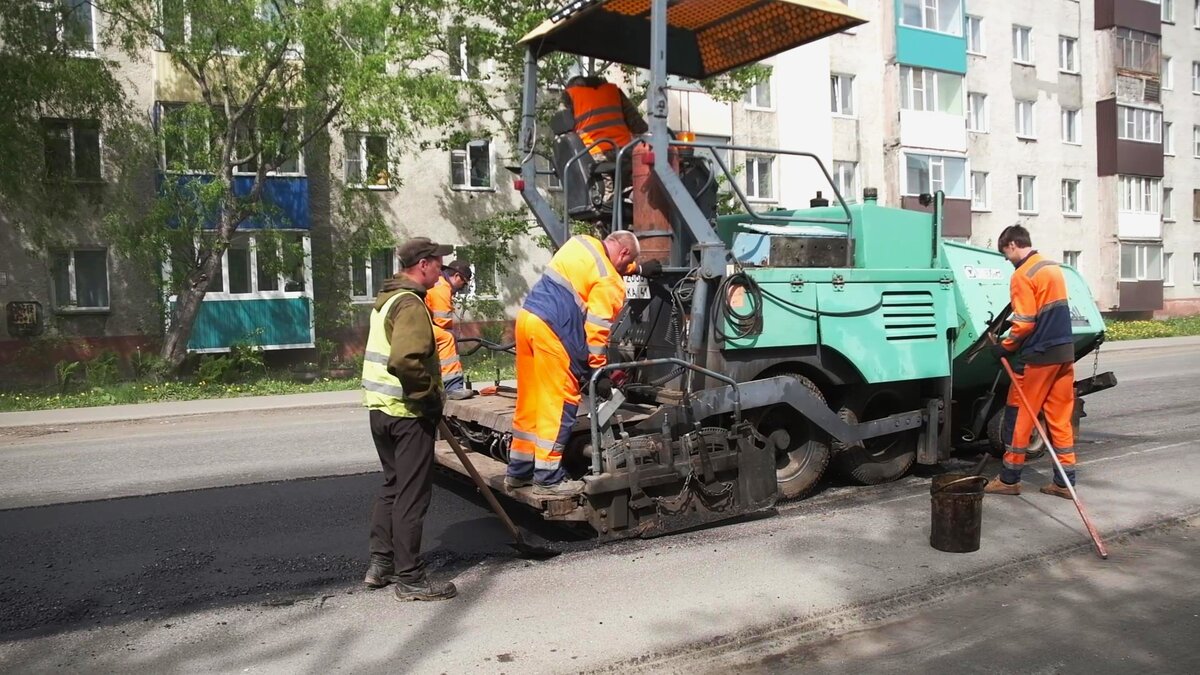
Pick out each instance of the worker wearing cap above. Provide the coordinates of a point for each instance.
(402, 389)
(561, 338)
(1041, 339)
(440, 301)
(605, 119)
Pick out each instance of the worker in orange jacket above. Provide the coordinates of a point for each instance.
(440, 301)
(1041, 339)
(561, 338)
(605, 119)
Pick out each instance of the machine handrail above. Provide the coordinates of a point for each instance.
(567, 174)
(618, 198)
(597, 459)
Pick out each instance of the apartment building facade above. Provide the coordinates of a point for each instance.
(1078, 119)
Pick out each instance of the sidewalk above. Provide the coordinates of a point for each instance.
(209, 406)
(142, 411)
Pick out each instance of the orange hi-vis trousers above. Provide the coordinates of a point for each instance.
(547, 402)
(1049, 388)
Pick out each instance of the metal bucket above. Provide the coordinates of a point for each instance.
(956, 512)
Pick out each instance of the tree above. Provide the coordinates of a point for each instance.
(265, 82)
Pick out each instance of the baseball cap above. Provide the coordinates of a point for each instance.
(461, 267)
(418, 248)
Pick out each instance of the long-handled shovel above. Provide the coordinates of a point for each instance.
(1037, 424)
(524, 548)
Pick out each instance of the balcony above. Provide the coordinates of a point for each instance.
(1135, 14)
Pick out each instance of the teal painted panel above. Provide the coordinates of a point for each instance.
(283, 321)
(928, 49)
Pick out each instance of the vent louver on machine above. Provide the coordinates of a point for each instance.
(909, 315)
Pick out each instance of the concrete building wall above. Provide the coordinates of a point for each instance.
(1181, 108)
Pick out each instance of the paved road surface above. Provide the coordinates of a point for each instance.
(201, 566)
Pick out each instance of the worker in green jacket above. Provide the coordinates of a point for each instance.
(402, 389)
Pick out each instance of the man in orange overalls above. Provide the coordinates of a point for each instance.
(605, 119)
(440, 301)
(562, 337)
(1041, 338)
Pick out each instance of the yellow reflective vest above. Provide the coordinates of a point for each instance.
(382, 390)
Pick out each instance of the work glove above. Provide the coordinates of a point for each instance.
(999, 350)
(651, 269)
(604, 387)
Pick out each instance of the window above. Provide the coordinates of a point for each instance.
(943, 16)
(1022, 37)
(1139, 194)
(71, 149)
(368, 271)
(845, 177)
(977, 112)
(1070, 126)
(1168, 11)
(1195, 204)
(1168, 209)
(926, 174)
(979, 191)
(1027, 194)
(1196, 141)
(280, 130)
(1025, 121)
(759, 178)
(1071, 258)
(930, 90)
(485, 272)
(841, 94)
(974, 35)
(1139, 124)
(80, 279)
(367, 160)
(1070, 197)
(1168, 139)
(1137, 51)
(1168, 269)
(463, 60)
(1067, 60)
(1196, 259)
(758, 96)
(70, 23)
(1141, 262)
(1196, 14)
(471, 167)
(1167, 77)
(1196, 77)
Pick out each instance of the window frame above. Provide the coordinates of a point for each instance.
(1196, 262)
(1128, 116)
(982, 113)
(1196, 141)
(842, 88)
(1168, 204)
(1027, 59)
(56, 8)
(937, 164)
(1068, 47)
(930, 90)
(1168, 268)
(472, 289)
(1076, 117)
(981, 47)
(925, 6)
(1029, 134)
(750, 100)
(368, 275)
(1066, 259)
(1168, 138)
(1167, 13)
(364, 160)
(73, 291)
(1137, 42)
(840, 169)
(1144, 194)
(72, 140)
(1141, 262)
(756, 174)
(1166, 77)
(1031, 193)
(986, 204)
(1196, 72)
(465, 153)
(1070, 187)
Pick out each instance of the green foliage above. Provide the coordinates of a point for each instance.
(217, 369)
(1140, 330)
(325, 349)
(145, 392)
(103, 370)
(66, 372)
(148, 367)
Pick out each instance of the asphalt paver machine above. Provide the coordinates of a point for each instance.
(778, 343)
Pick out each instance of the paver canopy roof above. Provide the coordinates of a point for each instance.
(704, 37)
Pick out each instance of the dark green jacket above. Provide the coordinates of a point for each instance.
(410, 332)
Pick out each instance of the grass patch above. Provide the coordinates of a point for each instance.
(481, 368)
(1140, 330)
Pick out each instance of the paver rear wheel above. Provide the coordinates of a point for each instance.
(882, 459)
(801, 448)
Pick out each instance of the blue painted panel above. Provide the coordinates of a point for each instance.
(928, 49)
(287, 197)
(283, 321)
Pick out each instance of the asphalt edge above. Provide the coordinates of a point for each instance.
(769, 639)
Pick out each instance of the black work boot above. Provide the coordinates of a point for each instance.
(424, 589)
(381, 572)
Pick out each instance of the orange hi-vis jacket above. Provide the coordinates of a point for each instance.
(440, 301)
(1041, 313)
(578, 297)
(599, 115)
